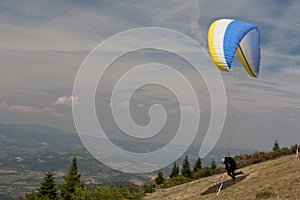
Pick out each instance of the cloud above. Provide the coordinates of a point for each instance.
(65, 100)
(185, 109)
(51, 41)
(30, 109)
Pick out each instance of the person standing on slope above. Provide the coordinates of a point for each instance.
(230, 166)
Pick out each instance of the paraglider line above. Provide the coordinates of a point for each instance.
(244, 60)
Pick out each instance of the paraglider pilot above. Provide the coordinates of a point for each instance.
(230, 166)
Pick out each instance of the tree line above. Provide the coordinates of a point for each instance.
(74, 189)
(257, 157)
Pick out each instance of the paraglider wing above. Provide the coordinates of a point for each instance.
(227, 37)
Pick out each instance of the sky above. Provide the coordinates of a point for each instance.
(44, 43)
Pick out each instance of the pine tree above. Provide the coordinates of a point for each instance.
(198, 165)
(160, 178)
(175, 171)
(48, 188)
(71, 180)
(276, 146)
(186, 169)
(213, 164)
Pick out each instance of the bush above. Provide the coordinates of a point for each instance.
(177, 181)
(107, 193)
(272, 155)
(149, 187)
(203, 172)
(286, 151)
(102, 192)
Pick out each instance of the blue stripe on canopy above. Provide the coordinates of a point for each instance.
(235, 32)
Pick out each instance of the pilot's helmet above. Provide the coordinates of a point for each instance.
(223, 160)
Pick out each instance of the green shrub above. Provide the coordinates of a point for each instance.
(107, 193)
(203, 172)
(149, 187)
(285, 151)
(177, 181)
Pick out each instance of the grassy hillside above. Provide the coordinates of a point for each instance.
(274, 179)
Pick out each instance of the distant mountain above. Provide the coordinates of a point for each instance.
(38, 137)
(27, 151)
(30, 128)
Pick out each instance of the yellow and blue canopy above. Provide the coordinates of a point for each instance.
(228, 36)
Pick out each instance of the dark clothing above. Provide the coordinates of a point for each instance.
(230, 166)
(233, 174)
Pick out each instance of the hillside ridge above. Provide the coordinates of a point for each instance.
(273, 179)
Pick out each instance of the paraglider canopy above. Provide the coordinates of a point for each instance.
(227, 37)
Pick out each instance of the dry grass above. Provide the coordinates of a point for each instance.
(274, 179)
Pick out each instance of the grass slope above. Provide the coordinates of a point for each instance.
(274, 179)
